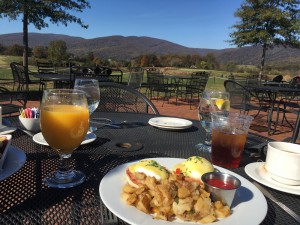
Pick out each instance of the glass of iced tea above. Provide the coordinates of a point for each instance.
(229, 134)
(64, 120)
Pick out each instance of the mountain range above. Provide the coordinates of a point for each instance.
(126, 48)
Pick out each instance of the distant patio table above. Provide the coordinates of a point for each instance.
(57, 78)
(273, 92)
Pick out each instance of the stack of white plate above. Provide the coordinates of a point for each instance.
(170, 123)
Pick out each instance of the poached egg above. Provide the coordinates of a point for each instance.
(148, 167)
(194, 167)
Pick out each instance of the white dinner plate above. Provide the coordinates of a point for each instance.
(170, 123)
(255, 170)
(6, 130)
(39, 138)
(15, 159)
(248, 208)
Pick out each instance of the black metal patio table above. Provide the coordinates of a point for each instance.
(69, 78)
(24, 198)
(57, 78)
(276, 95)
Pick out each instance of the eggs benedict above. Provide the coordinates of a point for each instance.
(193, 168)
(137, 173)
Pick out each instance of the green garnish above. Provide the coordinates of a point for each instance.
(153, 163)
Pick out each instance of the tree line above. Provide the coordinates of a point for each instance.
(57, 53)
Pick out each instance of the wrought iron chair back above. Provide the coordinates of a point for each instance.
(45, 67)
(22, 79)
(136, 77)
(115, 97)
(11, 102)
(244, 99)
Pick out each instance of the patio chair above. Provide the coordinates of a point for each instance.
(151, 75)
(45, 68)
(115, 97)
(295, 134)
(192, 87)
(11, 102)
(242, 98)
(136, 77)
(287, 103)
(22, 79)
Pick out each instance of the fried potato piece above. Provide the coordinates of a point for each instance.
(151, 183)
(183, 205)
(164, 190)
(183, 192)
(143, 203)
(203, 206)
(208, 219)
(129, 189)
(129, 199)
(223, 212)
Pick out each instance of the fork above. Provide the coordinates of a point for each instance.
(280, 204)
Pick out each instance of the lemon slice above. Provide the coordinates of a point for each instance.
(219, 102)
(226, 105)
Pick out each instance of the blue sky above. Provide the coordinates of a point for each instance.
(191, 23)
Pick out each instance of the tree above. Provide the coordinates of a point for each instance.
(145, 60)
(35, 12)
(57, 51)
(15, 50)
(2, 49)
(39, 52)
(211, 61)
(267, 23)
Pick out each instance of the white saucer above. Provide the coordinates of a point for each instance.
(39, 138)
(6, 130)
(15, 159)
(256, 171)
(170, 123)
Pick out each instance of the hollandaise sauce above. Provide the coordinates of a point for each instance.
(150, 168)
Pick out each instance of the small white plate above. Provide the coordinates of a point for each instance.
(39, 138)
(249, 205)
(170, 123)
(6, 130)
(255, 170)
(15, 159)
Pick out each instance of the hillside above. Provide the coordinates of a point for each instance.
(125, 48)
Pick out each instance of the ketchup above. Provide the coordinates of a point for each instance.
(220, 184)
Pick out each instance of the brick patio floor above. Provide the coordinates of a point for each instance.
(258, 126)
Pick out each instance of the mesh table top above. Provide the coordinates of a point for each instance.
(25, 199)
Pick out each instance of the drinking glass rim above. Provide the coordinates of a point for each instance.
(64, 91)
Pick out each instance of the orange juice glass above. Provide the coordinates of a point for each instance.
(64, 123)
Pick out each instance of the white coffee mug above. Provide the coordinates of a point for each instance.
(283, 162)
